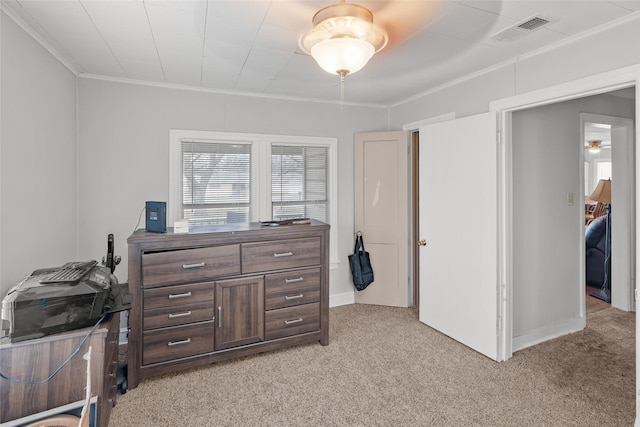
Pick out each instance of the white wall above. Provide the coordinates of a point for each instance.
(546, 229)
(614, 47)
(38, 174)
(61, 211)
(124, 152)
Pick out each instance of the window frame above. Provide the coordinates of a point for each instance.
(260, 192)
(305, 201)
(214, 205)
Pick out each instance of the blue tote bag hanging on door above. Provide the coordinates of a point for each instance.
(360, 265)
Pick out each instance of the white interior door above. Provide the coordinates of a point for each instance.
(459, 220)
(381, 182)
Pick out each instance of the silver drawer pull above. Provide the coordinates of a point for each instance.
(283, 254)
(293, 322)
(176, 315)
(185, 295)
(219, 317)
(188, 266)
(296, 280)
(290, 297)
(172, 343)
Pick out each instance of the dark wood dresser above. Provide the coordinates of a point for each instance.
(35, 360)
(220, 292)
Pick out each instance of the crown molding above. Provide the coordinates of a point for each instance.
(11, 13)
(221, 91)
(528, 55)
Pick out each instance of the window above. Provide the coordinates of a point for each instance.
(594, 171)
(222, 177)
(215, 182)
(603, 170)
(299, 182)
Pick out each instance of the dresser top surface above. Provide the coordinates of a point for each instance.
(195, 232)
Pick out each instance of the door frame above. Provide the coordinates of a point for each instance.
(385, 227)
(414, 221)
(621, 294)
(593, 85)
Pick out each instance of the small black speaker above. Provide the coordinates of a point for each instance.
(156, 217)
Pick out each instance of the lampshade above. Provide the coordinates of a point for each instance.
(343, 38)
(342, 54)
(594, 146)
(602, 193)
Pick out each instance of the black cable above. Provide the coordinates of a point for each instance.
(67, 360)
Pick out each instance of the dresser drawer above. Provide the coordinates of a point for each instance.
(292, 321)
(188, 265)
(280, 254)
(176, 296)
(292, 288)
(110, 385)
(180, 315)
(176, 342)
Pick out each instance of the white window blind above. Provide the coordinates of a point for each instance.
(299, 182)
(216, 182)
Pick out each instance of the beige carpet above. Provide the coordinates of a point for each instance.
(384, 368)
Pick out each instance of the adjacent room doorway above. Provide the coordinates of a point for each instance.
(614, 161)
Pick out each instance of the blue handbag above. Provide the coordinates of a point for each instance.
(360, 265)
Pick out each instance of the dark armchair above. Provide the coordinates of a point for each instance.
(595, 235)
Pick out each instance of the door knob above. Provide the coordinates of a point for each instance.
(422, 242)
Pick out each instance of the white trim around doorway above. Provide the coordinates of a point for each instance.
(623, 224)
(593, 85)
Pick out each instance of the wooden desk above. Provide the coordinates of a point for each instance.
(35, 360)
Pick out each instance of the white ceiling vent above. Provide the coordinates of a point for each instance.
(527, 26)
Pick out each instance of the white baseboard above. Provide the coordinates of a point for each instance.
(548, 333)
(341, 299)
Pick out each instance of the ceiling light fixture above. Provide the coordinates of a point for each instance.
(343, 38)
(594, 146)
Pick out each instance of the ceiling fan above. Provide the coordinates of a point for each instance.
(594, 146)
(345, 35)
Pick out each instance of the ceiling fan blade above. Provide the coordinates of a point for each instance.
(602, 147)
(401, 19)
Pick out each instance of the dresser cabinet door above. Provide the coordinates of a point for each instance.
(240, 312)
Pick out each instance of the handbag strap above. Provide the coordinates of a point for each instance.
(359, 244)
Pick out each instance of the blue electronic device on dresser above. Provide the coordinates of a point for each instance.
(156, 218)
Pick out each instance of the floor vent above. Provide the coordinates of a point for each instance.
(522, 28)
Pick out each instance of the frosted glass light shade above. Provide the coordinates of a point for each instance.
(342, 54)
(343, 38)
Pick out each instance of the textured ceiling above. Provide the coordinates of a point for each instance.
(251, 46)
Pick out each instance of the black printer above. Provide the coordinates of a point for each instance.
(51, 300)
